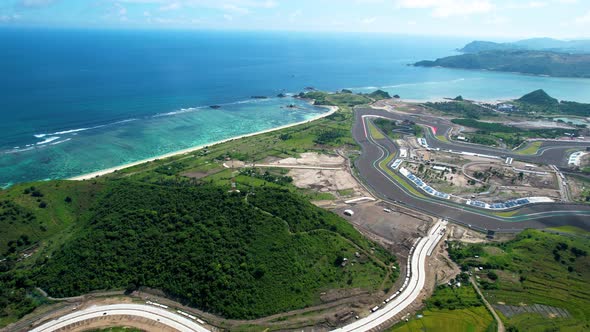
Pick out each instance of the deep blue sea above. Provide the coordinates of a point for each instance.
(77, 101)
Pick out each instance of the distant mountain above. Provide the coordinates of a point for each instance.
(484, 46)
(533, 44)
(522, 61)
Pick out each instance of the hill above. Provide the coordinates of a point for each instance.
(238, 255)
(538, 97)
(526, 62)
(540, 102)
(533, 44)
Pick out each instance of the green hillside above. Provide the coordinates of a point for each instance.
(539, 97)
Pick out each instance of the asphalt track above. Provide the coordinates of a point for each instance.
(162, 316)
(409, 294)
(531, 216)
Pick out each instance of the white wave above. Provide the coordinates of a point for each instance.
(180, 111)
(73, 131)
(197, 108)
(48, 140)
(122, 121)
(59, 142)
(77, 130)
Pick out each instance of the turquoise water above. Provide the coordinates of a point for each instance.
(67, 154)
(77, 101)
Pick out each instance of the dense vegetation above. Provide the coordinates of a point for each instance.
(210, 249)
(522, 61)
(535, 268)
(394, 129)
(489, 133)
(540, 102)
(460, 108)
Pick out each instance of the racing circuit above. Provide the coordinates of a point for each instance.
(378, 152)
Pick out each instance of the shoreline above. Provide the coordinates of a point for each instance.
(88, 176)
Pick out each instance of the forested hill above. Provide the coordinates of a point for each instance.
(234, 254)
(533, 44)
(521, 61)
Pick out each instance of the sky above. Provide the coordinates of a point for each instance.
(511, 19)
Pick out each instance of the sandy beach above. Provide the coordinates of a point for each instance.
(92, 175)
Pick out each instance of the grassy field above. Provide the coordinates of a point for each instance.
(570, 230)
(375, 133)
(535, 268)
(476, 319)
(453, 309)
(530, 149)
(117, 329)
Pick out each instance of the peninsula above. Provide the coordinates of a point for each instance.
(539, 56)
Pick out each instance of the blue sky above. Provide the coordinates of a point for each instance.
(482, 18)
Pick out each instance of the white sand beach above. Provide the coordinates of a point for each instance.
(196, 148)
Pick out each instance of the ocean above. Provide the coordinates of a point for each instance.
(77, 101)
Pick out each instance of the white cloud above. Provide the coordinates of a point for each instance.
(171, 6)
(368, 20)
(584, 19)
(527, 4)
(447, 8)
(35, 3)
(228, 17)
(9, 18)
(235, 9)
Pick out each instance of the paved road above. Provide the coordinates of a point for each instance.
(531, 216)
(410, 293)
(163, 316)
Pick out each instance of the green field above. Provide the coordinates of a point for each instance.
(375, 133)
(117, 329)
(476, 319)
(536, 268)
(491, 133)
(451, 308)
(531, 148)
(570, 230)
